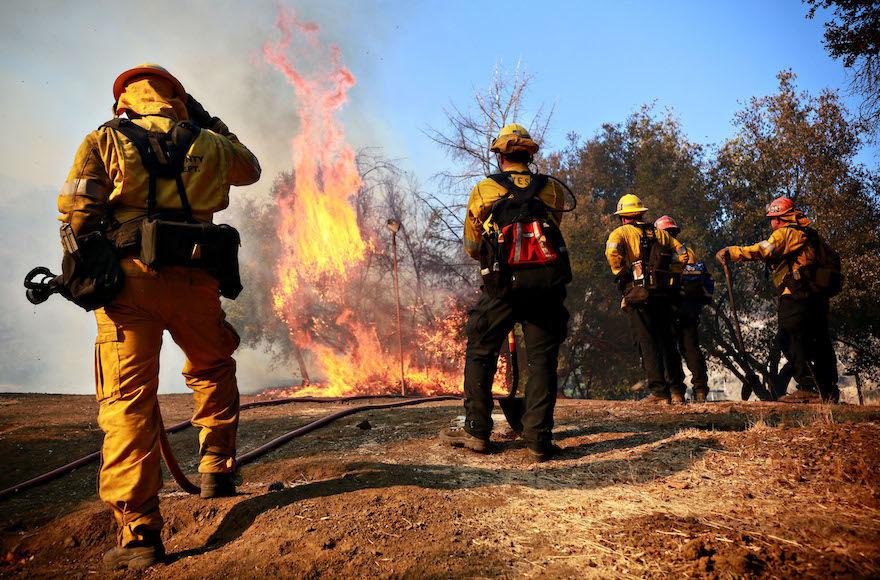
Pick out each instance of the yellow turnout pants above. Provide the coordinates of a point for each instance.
(186, 303)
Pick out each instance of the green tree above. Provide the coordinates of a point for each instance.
(649, 156)
(802, 146)
(853, 34)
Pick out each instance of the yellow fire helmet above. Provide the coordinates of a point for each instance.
(514, 137)
(147, 68)
(630, 205)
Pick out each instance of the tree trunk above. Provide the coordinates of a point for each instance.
(303, 371)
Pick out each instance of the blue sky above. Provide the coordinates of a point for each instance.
(599, 61)
(595, 62)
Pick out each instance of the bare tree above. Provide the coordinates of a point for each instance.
(470, 132)
(466, 140)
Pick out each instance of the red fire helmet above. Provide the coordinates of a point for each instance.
(666, 223)
(779, 207)
(147, 68)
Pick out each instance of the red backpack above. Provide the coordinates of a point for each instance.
(523, 248)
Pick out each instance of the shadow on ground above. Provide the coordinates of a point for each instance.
(657, 462)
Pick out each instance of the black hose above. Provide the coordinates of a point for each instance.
(174, 468)
(251, 456)
(570, 192)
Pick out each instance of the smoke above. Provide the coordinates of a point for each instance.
(318, 254)
(60, 60)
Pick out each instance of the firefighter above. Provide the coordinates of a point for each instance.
(108, 184)
(694, 294)
(541, 311)
(649, 309)
(793, 254)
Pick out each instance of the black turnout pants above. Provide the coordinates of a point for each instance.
(786, 373)
(544, 320)
(687, 330)
(803, 323)
(654, 335)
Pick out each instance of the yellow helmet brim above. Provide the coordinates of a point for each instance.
(511, 143)
(631, 211)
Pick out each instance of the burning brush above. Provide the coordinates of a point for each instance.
(334, 319)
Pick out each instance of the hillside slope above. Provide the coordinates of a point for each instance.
(743, 489)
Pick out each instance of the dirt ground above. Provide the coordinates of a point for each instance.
(714, 491)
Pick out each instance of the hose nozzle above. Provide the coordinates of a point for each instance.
(40, 284)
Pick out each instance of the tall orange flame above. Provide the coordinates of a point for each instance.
(322, 247)
(317, 229)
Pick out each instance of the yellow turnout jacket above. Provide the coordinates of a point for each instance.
(488, 191)
(622, 248)
(107, 171)
(781, 243)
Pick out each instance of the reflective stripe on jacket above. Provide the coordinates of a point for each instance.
(488, 191)
(782, 243)
(622, 248)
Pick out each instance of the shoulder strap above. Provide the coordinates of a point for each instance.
(162, 154)
(646, 240)
(138, 136)
(515, 195)
(646, 228)
(536, 184)
(182, 136)
(504, 180)
(812, 235)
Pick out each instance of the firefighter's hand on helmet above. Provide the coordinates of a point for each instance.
(723, 255)
(197, 113)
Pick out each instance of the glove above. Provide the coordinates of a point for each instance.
(723, 255)
(197, 113)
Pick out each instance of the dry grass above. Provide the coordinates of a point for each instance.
(752, 496)
(722, 490)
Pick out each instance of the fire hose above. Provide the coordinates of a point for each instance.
(250, 456)
(751, 382)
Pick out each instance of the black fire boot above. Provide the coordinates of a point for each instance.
(833, 396)
(457, 437)
(655, 399)
(217, 485)
(543, 451)
(136, 555)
